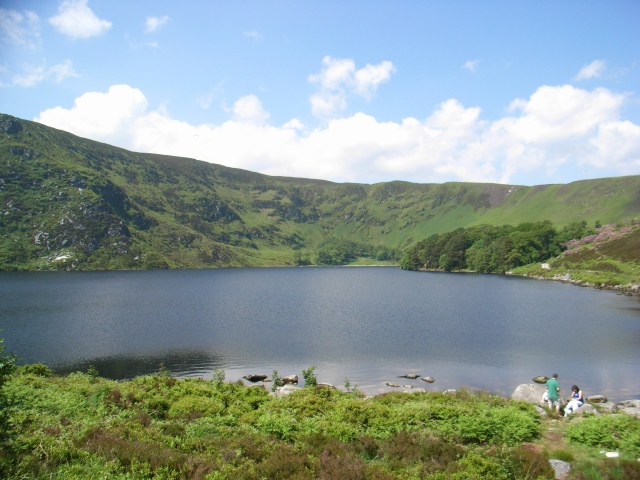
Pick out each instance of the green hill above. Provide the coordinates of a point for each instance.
(71, 203)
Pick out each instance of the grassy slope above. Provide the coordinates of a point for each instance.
(110, 208)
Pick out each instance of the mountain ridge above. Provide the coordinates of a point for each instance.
(71, 203)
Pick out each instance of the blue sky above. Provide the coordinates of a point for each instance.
(526, 92)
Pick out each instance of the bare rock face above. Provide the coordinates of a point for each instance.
(529, 392)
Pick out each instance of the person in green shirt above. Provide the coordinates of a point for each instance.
(553, 390)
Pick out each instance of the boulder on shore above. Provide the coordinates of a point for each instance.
(630, 407)
(585, 409)
(529, 392)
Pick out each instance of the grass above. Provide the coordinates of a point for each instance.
(83, 426)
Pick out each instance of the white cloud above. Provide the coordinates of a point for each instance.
(154, 23)
(21, 29)
(253, 35)
(248, 109)
(108, 117)
(471, 65)
(556, 125)
(35, 75)
(593, 70)
(76, 20)
(339, 80)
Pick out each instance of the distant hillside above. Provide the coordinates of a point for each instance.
(68, 202)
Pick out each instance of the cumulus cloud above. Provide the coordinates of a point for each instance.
(593, 70)
(21, 29)
(339, 80)
(109, 117)
(35, 75)
(76, 20)
(556, 125)
(154, 23)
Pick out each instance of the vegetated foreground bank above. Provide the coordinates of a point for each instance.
(603, 256)
(84, 426)
(68, 203)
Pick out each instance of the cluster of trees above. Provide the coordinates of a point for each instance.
(342, 252)
(488, 248)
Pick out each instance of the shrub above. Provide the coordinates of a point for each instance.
(310, 378)
(615, 432)
(36, 369)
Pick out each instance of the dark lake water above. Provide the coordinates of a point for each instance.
(368, 324)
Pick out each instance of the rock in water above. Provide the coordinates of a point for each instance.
(394, 385)
(410, 376)
(540, 379)
(597, 399)
(255, 378)
(290, 379)
(428, 379)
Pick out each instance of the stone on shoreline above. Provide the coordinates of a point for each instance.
(529, 392)
(630, 407)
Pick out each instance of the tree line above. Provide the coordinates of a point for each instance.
(342, 252)
(488, 248)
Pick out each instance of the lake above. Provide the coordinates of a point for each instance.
(367, 324)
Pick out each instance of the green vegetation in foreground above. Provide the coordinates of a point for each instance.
(82, 426)
(68, 203)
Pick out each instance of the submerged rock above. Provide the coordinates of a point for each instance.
(540, 379)
(390, 384)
